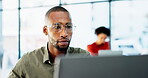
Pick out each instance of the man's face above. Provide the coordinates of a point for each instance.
(59, 38)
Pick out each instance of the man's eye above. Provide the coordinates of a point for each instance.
(69, 27)
(57, 27)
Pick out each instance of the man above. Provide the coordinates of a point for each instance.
(100, 44)
(40, 62)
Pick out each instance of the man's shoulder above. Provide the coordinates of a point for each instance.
(35, 51)
(77, 50)
(34, 54)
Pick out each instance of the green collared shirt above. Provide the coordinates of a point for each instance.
(36, 64)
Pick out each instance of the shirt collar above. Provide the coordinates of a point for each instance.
(46, 56)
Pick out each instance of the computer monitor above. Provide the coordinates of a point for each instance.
(102, 67)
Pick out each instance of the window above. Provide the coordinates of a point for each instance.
(32, 23)
(129, 26)
(87, 17)
(10, 40)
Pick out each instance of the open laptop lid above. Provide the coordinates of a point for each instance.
(110, 53)
(102, 67)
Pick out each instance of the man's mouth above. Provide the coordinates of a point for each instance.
(63, 42)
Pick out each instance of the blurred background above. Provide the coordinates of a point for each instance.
(21, 23)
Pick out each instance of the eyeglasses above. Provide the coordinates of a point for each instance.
(57, 27)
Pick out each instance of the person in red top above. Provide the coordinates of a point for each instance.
(100, 44)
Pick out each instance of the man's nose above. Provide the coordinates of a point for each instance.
(63, 33)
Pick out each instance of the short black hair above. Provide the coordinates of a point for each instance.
(102, 29)
(54, 9)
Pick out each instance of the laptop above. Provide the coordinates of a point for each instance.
(110, 53)
(102, 67)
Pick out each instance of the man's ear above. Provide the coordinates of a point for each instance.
(45, 30)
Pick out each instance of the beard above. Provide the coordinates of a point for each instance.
(60, 48)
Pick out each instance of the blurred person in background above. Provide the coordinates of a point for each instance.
(102, 34)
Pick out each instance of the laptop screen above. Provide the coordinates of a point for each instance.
(102, 67)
